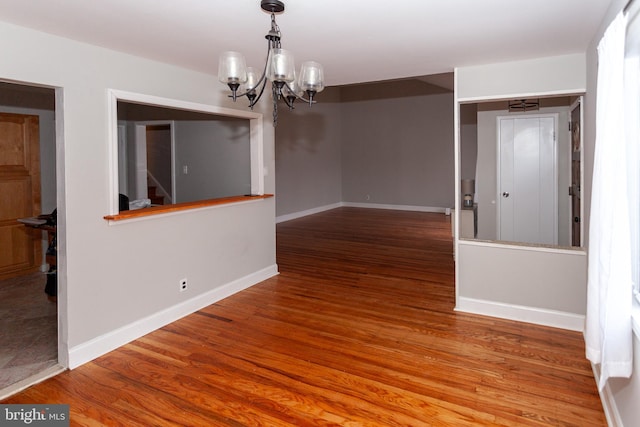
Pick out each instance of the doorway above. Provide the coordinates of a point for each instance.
(156, 165)
(527, 179)
(30, 346)
(152, 156)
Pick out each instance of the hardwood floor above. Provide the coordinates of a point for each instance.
(358, 330)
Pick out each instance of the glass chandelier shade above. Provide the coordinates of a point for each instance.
(311, 78)
(279, 69)
(232, 68)
(281, 66)
(252, 79)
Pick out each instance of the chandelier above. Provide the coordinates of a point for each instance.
(279, 69)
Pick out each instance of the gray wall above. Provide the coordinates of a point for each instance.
(308, 156)
(217, 156)
(384, 143)
(397, 144)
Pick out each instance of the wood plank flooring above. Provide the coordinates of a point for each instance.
(357, 330)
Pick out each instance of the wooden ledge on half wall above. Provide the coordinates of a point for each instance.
(162, 209)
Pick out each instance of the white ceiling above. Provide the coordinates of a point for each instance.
(356, 41)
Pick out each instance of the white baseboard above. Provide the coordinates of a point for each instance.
(395, 207)
(608, 401)
(296, 215)
(98, 346)
(538, 316)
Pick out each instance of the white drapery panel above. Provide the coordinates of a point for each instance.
(632, 133)
(609, 296)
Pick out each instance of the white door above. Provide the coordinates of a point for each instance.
(527, 179)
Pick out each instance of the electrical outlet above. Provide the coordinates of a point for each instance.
(183, 285)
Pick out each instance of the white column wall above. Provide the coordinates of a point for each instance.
(495, 285)
(120, 281)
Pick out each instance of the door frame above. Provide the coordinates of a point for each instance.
(579, 103)
(499, 197)
(141, 157)
(61, 231)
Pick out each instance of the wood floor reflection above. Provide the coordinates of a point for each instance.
(358, 329)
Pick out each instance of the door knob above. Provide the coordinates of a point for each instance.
(505, 194)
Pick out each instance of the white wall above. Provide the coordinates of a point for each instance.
(120, 281)
(484, 287)
(623, 394)
(521, 79)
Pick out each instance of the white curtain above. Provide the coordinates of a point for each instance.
(609, 295)
(632, 134)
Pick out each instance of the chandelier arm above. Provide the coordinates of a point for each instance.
(261, 81)
(300, 97)
(255, 101)
(285, 99)
(263, 78)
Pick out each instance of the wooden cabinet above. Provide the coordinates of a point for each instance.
(20, 247)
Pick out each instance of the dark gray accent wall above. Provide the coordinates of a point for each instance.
(383, 143)
(217, 158)
(397, 148)
(308, 155)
